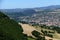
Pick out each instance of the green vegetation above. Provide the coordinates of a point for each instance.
(23, 22)
(49, 31)
(31, 39)
(52, 27)
(10, 30)
(35, 33)
(38, 35)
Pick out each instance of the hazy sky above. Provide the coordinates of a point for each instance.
(9, 4)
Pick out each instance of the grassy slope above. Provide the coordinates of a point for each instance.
(30, 39)
(56, 36)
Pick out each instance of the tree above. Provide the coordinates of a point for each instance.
(37, 35)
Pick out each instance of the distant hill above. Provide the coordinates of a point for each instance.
(23, 11)
(51, 13)
(30, 11)
(49, 7)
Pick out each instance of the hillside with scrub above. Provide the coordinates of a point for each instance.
(10, 30)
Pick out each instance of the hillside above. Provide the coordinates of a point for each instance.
(46, 32)
(10, 30)
(37, 23)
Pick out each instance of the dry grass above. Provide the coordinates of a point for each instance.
(56, 35)
(27, 29)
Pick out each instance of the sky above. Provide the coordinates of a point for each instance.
(10, 4)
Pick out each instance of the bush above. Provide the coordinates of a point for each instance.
(44, 32)
(35, 33)
(50, 35)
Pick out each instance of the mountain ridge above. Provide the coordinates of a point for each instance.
(46, 15)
